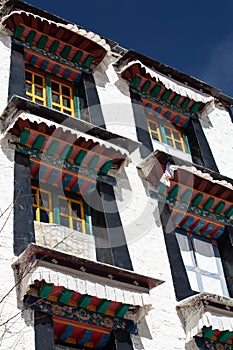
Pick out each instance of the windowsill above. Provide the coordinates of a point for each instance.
(64, 239)
(158, 146)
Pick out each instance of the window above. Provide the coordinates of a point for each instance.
(203, 263)
(51, 92)
(71, 214)
(42, 205)
(50, 208)
(35, 87)
(167, 134)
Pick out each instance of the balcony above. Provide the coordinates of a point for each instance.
(65, 240)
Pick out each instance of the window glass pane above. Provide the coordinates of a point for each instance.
(153, 126)
(77, 225)
(38, 91)
(76, 210)
(212, 285)
(63, 206)
(38, 80)
(185, 249)
(179, 146)
(55, 86)
(55, 98)
(34, 213)
(176, 135)
(44, 200)
(65, 90)
(205, 255)
(28, 87)
(34, 195)
(167, 132)
(64, 221)
(44, 217)
(169, 142)
(28, 75)
(66, 102)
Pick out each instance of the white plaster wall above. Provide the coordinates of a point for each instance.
(115, 102)
(5, 55)
(218, 129)
(16, 331)
(161, 328)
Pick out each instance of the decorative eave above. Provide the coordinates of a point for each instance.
(199, 199)
(178, 76)
(63, 150)
(136, 67)
(86, 299)
(204, 314)
(21, 106)
(41, 267)
(65, 40)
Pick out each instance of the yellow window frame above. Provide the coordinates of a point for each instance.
(173, 139)
(39, 207)
(70, 217)
(62, 96)
(32, 95)
(152, 132)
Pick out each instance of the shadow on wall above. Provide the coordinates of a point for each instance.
(144, 332)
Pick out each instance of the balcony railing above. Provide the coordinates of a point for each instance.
(65, 240)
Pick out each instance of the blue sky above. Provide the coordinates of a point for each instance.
(195, 36)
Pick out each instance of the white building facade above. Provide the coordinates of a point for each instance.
(116, 197)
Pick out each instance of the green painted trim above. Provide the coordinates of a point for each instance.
(53, 147)
(93, 162)
(53, 56)
(223, 337)
(229, 212)
(56, 211)
(136, 81)
(65, 296)
(156, 90)
(103, 306)
(106, 167)
(24, 136)
(208, 332)
(185, 103)
(186, 142)
(65, 154)
(42, 42)
(208, 204)
(81, 155)
(76, 102)
(166, 95)
(77, 57)
(164, 139)
(175, 99)
(219, 207)
(121, 311)
(19, 31)
(174, 191)
(186, 195)
(38, 143)
(84, 301)
(54, 46)
(66, 51)
(31, 36)
(146, 86)
(195, 107)
(88, 61)
(45, 290)
(197, 199)
(48, 91)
